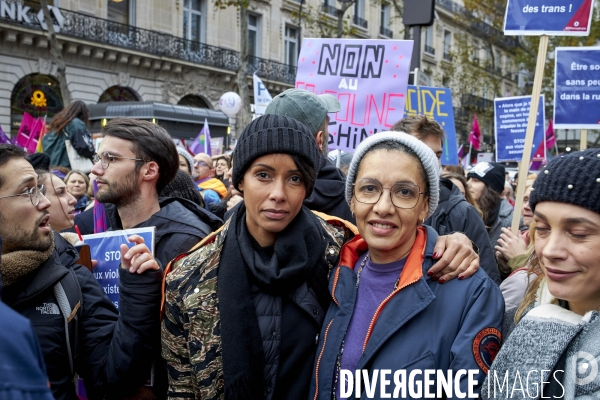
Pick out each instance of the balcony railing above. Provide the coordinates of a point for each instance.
(447, 56)
(429, 50)
(111, 33)
(331, 10)
(358, 21)
(272, 69)
(386, 32)
(476, 102)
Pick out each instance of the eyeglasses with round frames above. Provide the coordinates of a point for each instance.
(106, 158)
(33, 193)
(200, 164)
(403, 195)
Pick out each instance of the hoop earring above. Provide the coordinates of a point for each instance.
(353, 215)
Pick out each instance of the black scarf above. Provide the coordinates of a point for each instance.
(298, 257)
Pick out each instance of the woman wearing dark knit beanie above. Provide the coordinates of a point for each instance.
(486, 183)
(244, 307)
(557, 332)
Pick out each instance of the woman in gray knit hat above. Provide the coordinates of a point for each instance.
(557, 332)
(389, 313)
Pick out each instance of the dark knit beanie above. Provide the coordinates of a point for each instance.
(39, 161)
(183, 187)
(492, 174)
(572, 179)
(272, 134)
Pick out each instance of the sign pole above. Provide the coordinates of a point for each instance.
(583, 141)
(535, 102)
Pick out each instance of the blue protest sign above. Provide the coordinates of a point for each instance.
(548, 17)
(435, 103)
(510, 127)
(577, 88)
(105, 248)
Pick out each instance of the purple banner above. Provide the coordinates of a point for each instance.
(368, 77)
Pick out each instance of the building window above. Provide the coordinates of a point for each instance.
(119, 93)
(384, 28)
(291, 46)
(121, 11)
(448, 45)
(36, 94)
(254, 35)
(359, 14)
(429, 40)
(476, 54)
(193, 26)
(193, 100)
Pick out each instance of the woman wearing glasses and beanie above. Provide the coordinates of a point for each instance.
(387, 312)
(557, 332)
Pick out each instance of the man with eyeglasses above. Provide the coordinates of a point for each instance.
(110, 351)
(135, 161)
(212, 189)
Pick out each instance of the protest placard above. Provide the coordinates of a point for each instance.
(435, 103)
(262, 97)
(577, 88)
(510, 126)
(368, 77)
(548, 17)
(105, 248)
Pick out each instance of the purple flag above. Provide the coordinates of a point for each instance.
(475, 135)
(100, 224)
(368, 77)
(202, 142)
(3, 138)
(550, 136)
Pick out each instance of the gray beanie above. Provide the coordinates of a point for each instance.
(425, 154)
(186, 154)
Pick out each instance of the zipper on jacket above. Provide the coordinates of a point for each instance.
(319, 360)
(379, 309)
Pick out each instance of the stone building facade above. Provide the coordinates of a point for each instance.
(180, 51)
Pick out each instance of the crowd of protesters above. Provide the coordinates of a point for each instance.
(273, 271)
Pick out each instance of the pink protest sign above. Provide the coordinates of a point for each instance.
(368, 77)
(29, 131)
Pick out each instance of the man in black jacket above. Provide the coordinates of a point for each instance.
(454, 213)
(312, 110)
(136, 160)
(111, 352)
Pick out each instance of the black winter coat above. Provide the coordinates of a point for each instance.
(328, 195)
(112, 356)
(455, 214)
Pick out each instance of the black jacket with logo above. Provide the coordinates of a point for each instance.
(112, 356)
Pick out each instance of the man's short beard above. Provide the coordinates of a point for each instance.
(122, 193)
(15, 237)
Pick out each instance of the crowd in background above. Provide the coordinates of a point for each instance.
(276, 266)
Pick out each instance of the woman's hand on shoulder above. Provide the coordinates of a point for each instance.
(456, 258)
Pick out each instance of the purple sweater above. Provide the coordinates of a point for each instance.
(376, 283)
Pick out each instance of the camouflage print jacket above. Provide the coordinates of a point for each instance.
(191, 338)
